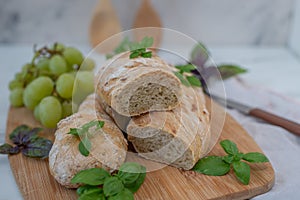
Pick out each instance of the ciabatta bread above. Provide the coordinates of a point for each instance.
(108, 149)
(178, 137)
(135, 86)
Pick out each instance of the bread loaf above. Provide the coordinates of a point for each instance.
(108, 149)
(178, 137)
(135, 86)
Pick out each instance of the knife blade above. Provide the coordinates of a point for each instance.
(271, 118)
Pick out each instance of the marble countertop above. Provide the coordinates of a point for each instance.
(274, 68)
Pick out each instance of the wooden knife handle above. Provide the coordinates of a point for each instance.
(293, 127)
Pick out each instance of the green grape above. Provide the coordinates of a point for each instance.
(50, 111)
(88, 64)
(64, 85)
(37, 90)
(27, 77)
(15, 84)
(19, 76)
(36, 113)
(73, 56)
(43, 64)
(75, 107)
(83, 85)
(73, 73)
(67, 109)
(27, 67)
(58, 65)
(16, 97)
(58, 46)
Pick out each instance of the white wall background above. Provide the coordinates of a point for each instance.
(216, 22)
(294, 40)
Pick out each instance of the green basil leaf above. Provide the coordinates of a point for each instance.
(147, 42)
(39, 148)
(109, 56)
(182, 78)
(229, 147)
(137, 184)
(123, 46)
(112, 186)
(255, 157)
(88, 125)
(134, 55)
(129, 172)
(74, 131)
(100, 124)
(92, 194)
(8, 149)
(212, 166)
(125, 194)
(93, 176)
(141, 50)
(147, 54)
(242, 171)
(228, 159)
(134, 46)
(238, 156)
(228, 71)
(85, 188)
(185, 68)
(85, 146)
(193, 81)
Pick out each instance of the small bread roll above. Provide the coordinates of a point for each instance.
(108, 149)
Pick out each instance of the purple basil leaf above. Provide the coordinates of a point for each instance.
(31, 135)
(199, 55)
(39, 148)
(9, 149)
(24, 136)
(205, 74)
(5, 148)
(208, 72)
(15, 150)
(15, 134)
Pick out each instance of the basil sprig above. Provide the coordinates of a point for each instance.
(202, 69)
(99, 184)
(136, 48)
(28, 142)
(139, 48)
(85, 144)
(184, 74)
(221, 165)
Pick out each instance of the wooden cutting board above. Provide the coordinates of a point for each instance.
(36, 183)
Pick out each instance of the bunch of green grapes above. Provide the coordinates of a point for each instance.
(47, 84)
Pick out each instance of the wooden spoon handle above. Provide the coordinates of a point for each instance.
(293, 127)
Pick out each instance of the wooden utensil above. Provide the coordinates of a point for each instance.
(104, 23)
(148, 17)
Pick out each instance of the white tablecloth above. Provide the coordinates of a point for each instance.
(281, 147)
(274, 68)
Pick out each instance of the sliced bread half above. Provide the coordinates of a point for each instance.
(178, 137)
(135, 86)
